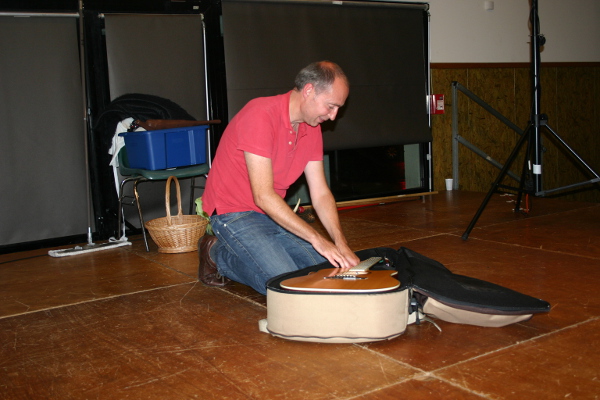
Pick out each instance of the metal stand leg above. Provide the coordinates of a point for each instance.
(524, 175)
(496, 183)
(193, 190)
(139, 208)
(122, 197)
(135, 200)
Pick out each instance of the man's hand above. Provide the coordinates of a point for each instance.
(351, 258)
(338, 256)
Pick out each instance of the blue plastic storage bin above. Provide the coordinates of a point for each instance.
(166, 148)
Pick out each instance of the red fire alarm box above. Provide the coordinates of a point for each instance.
(436, 103)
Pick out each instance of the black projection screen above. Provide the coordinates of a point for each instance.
(382, 47)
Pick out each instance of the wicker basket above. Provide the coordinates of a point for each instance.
(178, 234)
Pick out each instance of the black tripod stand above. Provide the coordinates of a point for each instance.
(531, 177)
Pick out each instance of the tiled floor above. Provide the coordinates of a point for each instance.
(124, 323)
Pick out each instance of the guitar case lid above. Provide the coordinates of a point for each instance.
(433, 280)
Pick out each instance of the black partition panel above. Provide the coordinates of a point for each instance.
(162, 55)
(381, 46)
(42, 152)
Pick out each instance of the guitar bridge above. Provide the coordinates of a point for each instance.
(345, 277)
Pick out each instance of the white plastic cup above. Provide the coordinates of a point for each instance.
(449, 183)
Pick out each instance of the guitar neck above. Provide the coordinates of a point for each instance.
(364, 265)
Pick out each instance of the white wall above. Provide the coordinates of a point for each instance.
(462, 31)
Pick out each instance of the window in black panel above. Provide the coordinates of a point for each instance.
(367, 173)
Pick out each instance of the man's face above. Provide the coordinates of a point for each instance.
(323, 106)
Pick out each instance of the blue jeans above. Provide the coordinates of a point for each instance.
(252, 249)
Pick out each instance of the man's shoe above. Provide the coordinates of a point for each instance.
(207, 271)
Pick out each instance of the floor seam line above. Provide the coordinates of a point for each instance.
(93, 300)
(420, 373)
(531, 248)
(532, 339)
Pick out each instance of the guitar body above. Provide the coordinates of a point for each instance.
(326, 280)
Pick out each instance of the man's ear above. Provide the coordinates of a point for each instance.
(308, 89)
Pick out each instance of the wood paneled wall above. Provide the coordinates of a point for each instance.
(570, 96)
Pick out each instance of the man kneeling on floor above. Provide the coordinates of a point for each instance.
(264, 149)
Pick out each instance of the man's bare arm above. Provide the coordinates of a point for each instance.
(260, 171)
(324, 204)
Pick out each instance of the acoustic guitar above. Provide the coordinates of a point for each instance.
(355, 280)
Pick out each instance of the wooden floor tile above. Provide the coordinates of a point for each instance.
(548, 232)
(428, 348)
(425, 387)
(41, 282)
(363, 234)
(294, 370)
(186, 263)
(560, 365)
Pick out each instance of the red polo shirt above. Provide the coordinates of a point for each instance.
(263, 128)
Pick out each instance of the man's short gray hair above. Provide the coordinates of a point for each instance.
(321, 74)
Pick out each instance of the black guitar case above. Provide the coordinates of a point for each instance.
(427, 288)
